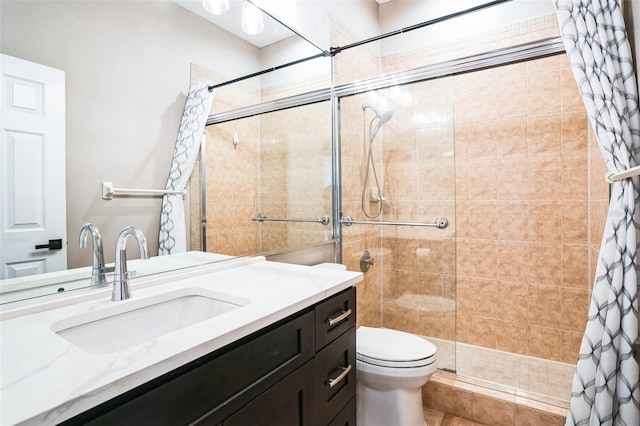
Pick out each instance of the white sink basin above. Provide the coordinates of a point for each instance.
(126, 324)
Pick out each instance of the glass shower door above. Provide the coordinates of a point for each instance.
(397, 155)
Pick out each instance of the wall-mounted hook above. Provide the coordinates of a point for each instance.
(236, 139)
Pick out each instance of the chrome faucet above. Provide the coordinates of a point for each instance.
(98, 271)
(121, 289)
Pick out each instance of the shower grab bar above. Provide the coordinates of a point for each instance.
(440, 223)
(108, 191)
(262, 218)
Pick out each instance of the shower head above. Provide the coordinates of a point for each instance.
(383, 116)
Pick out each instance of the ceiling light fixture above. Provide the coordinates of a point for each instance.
(215, 7)
(252, 19)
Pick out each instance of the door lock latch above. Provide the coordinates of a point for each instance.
(53, 245)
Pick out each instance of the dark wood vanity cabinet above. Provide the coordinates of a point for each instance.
(299, 371)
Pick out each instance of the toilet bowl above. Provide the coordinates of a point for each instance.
(391, 368)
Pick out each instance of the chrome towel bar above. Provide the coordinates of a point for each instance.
(108, 191)
(440, 223)
(262, 218)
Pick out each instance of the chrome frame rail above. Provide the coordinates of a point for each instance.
(262, 218)
(203, 191)
(502, 56)
(440, 223)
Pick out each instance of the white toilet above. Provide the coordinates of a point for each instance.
(392, 366)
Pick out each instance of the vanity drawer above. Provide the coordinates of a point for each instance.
(335, 316)
(335, 376)
(290, 403)
(346, 417)
(211, 388)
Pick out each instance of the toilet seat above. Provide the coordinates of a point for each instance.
(392, 348)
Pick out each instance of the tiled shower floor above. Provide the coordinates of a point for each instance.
(526, 375)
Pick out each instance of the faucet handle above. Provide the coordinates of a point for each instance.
(121, 288)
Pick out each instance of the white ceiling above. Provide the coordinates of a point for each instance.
(230, 21)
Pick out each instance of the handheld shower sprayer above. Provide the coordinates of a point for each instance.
(385, 117)
(382, 118)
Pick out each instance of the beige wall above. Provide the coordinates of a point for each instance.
(127, 67)
(522, 181)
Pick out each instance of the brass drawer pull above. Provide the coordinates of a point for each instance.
(337, 320)
(335, 381)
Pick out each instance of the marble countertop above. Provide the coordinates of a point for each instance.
(44, 379)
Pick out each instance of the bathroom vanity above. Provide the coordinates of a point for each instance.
(284, 353)
(300, 370)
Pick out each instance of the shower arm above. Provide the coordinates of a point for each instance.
(440, 223)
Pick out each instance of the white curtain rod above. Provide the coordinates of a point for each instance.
(108, 191)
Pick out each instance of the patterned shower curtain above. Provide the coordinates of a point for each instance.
(605, 387)
(173, 232)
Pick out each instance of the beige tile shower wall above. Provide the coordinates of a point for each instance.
(273, 189)
(518, 206)
(356, 64)
(421, 260)
(598, 204)
(418, 148)
(522, 207)
(295, 175)
(280, 167)
(231, 193)
(358, 238)
(528, 221)
(231, 176)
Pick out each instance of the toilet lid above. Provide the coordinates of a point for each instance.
(393, 348)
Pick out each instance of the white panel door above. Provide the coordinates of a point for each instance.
(32, 169)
